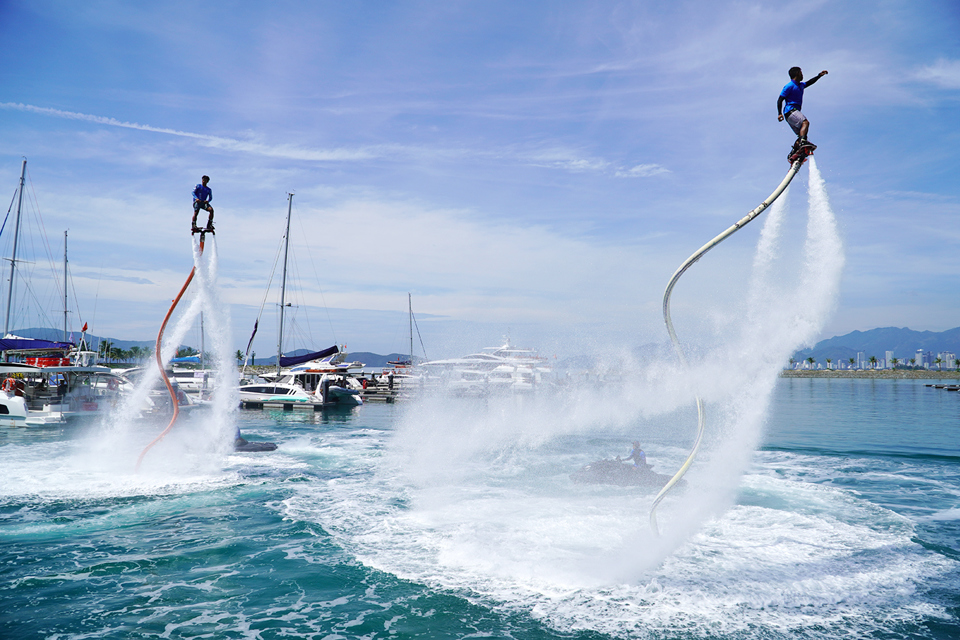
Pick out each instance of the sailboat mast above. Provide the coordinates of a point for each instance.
(283, 281)
(13, 258)
(410, 308)
(65, 285)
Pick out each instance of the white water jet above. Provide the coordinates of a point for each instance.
(456, 460)
(197, 441)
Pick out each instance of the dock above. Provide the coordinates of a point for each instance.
(285, 406)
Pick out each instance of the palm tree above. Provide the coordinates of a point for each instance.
(913, 362)
(937, 362)
(873, 362)
(810, 361)
(103, 350)
(829, 360)
(894, 362)
(956, 364)
(184, 352)
(239, 356)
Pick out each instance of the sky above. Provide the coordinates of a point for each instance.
(535, 170)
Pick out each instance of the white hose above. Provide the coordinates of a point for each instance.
(794, 168)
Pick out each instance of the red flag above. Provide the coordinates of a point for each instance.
(84, 327)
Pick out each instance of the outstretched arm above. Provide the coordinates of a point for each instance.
(780, 109)
(816, 77)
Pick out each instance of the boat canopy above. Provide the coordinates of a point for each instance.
(16, 343)
(307, 357)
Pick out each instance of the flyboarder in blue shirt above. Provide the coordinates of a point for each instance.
(792, 95)
(202, 195)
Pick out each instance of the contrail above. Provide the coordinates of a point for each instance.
(289, 152)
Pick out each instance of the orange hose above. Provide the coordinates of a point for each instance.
(163, 374)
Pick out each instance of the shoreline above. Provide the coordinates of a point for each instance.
(896, 374)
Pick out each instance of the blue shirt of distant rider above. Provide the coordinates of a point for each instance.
(637, 455)
(203, 193)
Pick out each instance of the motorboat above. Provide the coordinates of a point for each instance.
(283, 390)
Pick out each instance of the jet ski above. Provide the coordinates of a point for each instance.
(621, 474)
(242, 444)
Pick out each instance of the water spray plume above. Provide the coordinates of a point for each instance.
(163, 374)
(794, 168)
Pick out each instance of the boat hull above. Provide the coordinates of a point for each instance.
(620, 474)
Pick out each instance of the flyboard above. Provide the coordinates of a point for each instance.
(797, 156)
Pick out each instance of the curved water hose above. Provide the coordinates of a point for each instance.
(163, 374)
(794, 168)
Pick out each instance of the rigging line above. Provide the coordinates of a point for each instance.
(163, 374)
(96, 299)
(419, 336)
(41, 314)
(73, 285)
(43, 235)
(9, 209)
(689, 262)
(317, 276)
(263, 303)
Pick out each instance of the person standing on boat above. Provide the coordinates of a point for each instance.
(637, 455)
(202, 195)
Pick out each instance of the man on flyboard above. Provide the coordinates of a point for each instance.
(202, 195)
(792, 96)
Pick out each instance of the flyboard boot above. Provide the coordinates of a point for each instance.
(801, 149)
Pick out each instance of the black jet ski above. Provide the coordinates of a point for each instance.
(621, 474)
(241, 444)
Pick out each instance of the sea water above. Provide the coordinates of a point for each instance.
(815, 508)
(845, 525)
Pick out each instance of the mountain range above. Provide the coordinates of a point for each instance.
(903, 342)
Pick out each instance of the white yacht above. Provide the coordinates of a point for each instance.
(493, 369)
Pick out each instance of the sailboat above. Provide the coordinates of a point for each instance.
(56, 380)
(320, 377)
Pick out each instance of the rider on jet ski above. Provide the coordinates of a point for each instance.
(637, 455)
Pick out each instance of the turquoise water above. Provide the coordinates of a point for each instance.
(366, 524)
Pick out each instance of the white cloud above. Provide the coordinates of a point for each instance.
(943, 73)
(642, 171)
(282, 151)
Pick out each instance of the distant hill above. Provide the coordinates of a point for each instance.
(876, 342)
(56, 335)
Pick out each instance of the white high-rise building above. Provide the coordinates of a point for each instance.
(889, 359)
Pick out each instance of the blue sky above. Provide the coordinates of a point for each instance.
(538, 169)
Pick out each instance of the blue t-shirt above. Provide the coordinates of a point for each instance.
(793, 96)
(202, 193)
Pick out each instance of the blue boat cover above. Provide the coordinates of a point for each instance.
(307, 357)
(193, 359)
(31, 344)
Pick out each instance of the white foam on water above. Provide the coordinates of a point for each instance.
(195, 452)
(801, 558)
(474, 497)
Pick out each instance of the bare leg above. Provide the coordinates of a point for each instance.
(804, 127)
